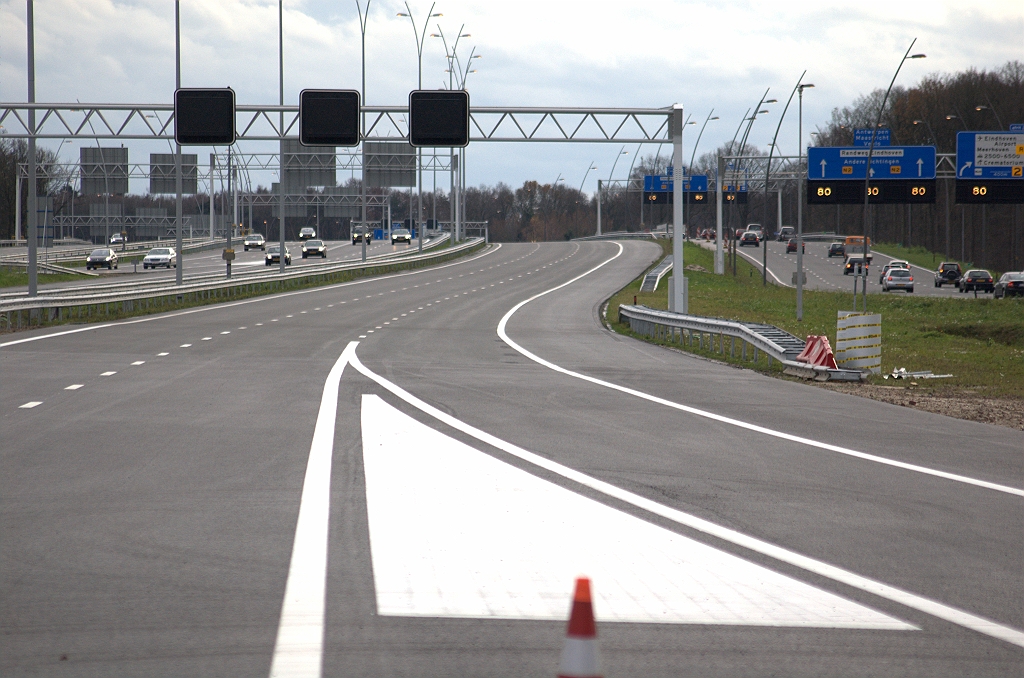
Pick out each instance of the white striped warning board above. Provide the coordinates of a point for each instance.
(859, 341)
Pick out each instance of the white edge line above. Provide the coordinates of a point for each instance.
(758, 264)
(905, 598)
(494, 247)
(727, 420)
(298, 649)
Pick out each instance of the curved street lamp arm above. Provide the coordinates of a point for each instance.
(699, 135)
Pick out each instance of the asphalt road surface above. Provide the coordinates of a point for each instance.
(402, 476)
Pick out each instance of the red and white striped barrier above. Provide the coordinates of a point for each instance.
(818, 352)
(580, 656)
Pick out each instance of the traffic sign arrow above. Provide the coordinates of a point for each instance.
(920, 164)
(967, 166)
(823, 166)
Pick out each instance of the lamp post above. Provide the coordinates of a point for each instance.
(990, 108)
(420, 35)
(767, 172)
(867, 173)
(622, 152)
(364, 15)
(931, 134)
(686, 206)
(450, 56)
(801, 188)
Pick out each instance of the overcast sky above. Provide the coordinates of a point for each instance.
(704, 55)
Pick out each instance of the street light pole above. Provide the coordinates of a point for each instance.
(767, 172)
(801, 188)
(280, 178)
(420, 36)
(867, 172)
(622, 152)
(33, 213)
(363, 17)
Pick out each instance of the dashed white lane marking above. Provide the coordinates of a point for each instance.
(109, 374)
(139, 362)
(30, 404)
(298, 649)
(207, 338)
(73, 387)
(162, 354)
(184, 345)
(226, 332)
(871, 586)
(511, 556)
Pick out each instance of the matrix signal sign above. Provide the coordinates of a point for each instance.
(204, 117)
(439, 118)
(889, 192)
(328, 117)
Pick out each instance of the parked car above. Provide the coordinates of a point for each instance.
(254, 241)
(306, 233)
(160, 256)
(785, 233)
(948, 274)
(1009, 285)
(359, 232)
(314, 248)
(103, 257)
(401, 235)
(750, 238)
(854, 263)
(977, 279)
(898, 279)
(895, 263)
(274, 255)
(837, 249)
(791, 246)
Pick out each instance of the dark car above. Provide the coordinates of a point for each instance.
(948, 274)
(273, 255)
(837, 249)
(306, 233)
(360, 232)
(314, 248)
(1010, 285)
(977, 279)
(101, 258)
(853, 264)
(401, 235)
(750, 238)
(791, 246)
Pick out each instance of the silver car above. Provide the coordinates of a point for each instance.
(160, 256)
(898, 279)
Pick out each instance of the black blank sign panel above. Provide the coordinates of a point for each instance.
(329, 117)
(439, 118)
(204, 117)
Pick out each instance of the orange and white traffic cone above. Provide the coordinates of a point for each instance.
(580, 656)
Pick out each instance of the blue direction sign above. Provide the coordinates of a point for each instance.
(654, 183)
(1017, 127)
(990, 155)
(893, 162)
(862, 137)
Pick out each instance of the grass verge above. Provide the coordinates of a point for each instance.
(16, 278)
(979, 341)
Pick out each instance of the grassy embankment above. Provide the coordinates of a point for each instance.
(979, 341)
(15, 278)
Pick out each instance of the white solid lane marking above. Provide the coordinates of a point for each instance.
(139, 362)
(727, 420)
(511, 556)
(29, 405)
(73, 387)
(298, 650)
(818, 567)
(108, 374)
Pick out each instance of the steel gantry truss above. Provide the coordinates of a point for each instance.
(384, 123)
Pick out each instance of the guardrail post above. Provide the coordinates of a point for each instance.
(732, 348)
(755, 355)
(743, 346)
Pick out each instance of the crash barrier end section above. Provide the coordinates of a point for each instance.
(817, 351)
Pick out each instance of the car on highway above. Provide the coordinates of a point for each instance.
(274, 255)
(1009, 285)
(358, 233)
(750, 238)
(756, 228)
(104, 257)
(837, 249)
(314, 248)
(977, 279)
(785, 233)
(854, 263)
(254, 241)
(160, 256)
(401, 235)
(306, 233)
(118, 239)
(895, 263)
(898, 279)
(791, 246)
(739, 233)
(948, 274)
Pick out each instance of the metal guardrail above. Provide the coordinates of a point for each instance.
(625, 235)
(74, 254)
(15, 314)
(652, 279)
(775, 343)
